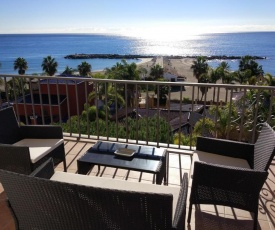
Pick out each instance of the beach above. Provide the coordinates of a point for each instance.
(182, 67)
(179, 67)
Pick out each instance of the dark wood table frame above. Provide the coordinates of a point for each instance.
(146, 159)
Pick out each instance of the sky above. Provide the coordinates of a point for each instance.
(136, 18)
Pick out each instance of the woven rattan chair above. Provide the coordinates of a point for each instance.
(39, 202)
(24, 147)
(220, 178)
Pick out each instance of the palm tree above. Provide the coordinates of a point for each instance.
(204, 78)
(84, 68)
(270, 79)
(108, 91)
(248, 62)
(49, 65)
(124, 71)
(132, 72)
(117, 71)
(222, 128)
(68, 70)
(156, 72)
(142, 71)
(225, 66)
(199, 66)
(17, 87)
(100, 88)
(228, 78)
(243, 76)
(223, 71)
(21, 64)
(214, 76)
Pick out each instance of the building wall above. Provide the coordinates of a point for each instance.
(39, 110)
(170, 77)
(76, 95)
(76, 98)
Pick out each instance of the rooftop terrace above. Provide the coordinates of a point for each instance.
(204, 217)
(252, 110)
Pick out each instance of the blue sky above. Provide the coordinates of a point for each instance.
(137, 18)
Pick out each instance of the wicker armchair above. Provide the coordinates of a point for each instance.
(220, 178)
(23, 148)
(40, 202)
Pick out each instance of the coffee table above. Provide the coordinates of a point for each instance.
(145, 159)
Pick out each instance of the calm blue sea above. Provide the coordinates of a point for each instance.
(35, 47)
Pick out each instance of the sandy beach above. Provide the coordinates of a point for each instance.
(181, 67)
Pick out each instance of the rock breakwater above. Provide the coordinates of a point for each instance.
(134, 56)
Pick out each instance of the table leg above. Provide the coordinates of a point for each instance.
(84, 167)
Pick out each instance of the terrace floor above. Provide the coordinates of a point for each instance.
(204, 217)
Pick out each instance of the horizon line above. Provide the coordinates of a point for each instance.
(121, 34)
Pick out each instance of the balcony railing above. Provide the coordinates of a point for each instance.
(137, 111)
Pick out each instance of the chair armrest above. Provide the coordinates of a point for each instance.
(180, 212)
(15, 158)
(227, 148)
(45, 170)
(41, 131)
(224, 185)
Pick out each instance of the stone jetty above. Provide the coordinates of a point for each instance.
(134, 56)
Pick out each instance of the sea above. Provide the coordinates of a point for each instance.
(34, 47)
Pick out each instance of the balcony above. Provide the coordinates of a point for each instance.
(182, 115)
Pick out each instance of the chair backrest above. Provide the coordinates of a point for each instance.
(264, 148)
(9, 128)
(44, 204)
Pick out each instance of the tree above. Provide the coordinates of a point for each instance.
(204, 127)
(17, 87)
(204, 78)
(181, 139)
(21, 64)
(124, 71)
(243, 76)
(223, 70)
(214, 76)
(68, 70)
(248, 62)
(143, 72)
(270, 79)
(222, 128)
(199, 66)
(162, 91)
(111, 95)
(117, 71)
(156, 72)
(225, 66)
(91, 112)
(131, 70)
(49, 65)
(84, 68)
(105, 91)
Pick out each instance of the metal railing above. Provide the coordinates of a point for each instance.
(137, 111)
